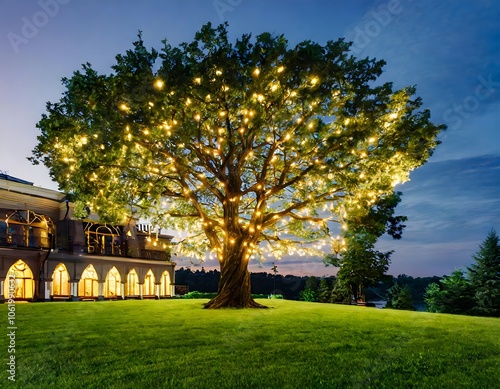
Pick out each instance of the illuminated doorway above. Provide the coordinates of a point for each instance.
(149, 283)
(19, 282)
(60, 281)
(132, 288)
(112, 285)
(88, 285)
(165, 284)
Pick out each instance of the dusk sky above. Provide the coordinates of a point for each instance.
(449, 49)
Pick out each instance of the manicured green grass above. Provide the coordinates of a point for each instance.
(176, 344)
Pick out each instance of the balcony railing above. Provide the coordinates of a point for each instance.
(23, 240)
(25, 229)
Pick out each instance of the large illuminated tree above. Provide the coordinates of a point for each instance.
(254, 148)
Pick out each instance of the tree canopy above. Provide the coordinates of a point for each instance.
(254, 147)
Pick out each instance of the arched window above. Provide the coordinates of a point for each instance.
(165, 284)
(112, 286)
(60, 281)
(132, 287)
(149, 283)
(19, 282)
(88, 285)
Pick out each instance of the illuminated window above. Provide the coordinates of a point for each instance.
(88, 285)
(132, 287)
(165, 284)
(60, 281)
(149, 283)
(112, 286)
(19, 283)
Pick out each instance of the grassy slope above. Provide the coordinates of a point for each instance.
(176, 344)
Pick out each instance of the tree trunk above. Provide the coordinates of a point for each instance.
(234, 289)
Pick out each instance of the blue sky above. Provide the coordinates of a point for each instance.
(449, 49)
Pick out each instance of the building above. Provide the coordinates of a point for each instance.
(45, 254)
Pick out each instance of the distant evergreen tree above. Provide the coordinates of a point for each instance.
(484, 277)
(432, 298)
(341, 292)
(399, 297)
(456, 294)
(324, 291)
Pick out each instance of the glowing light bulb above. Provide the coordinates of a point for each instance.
(256, 72)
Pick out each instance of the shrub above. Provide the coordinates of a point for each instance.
(199, 295)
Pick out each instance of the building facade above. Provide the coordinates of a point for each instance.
(47, 255)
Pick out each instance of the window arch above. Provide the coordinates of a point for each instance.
(165, 284)
(19, 282)
(88, 284)
(60, 281)
(132, 287)
(149, 283)
(112, 285)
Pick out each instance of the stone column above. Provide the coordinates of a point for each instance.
(100, 288)
(73, 287)
(48, 287)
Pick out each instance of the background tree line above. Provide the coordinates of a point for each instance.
(307, 288)
(202, 280)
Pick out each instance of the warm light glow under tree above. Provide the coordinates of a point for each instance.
(255, 149)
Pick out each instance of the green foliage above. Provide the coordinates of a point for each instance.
(276, 296)
(484, 277)
(432, 298)
(341, 292)
(312, 283)
(199, 295)
(455, 295)
(234, 142)
(399, 297)
(210, 295)
(324, 291)
(309, 295)
(477, 294)
(360, 264)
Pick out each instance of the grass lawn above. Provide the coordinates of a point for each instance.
(176, 344)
